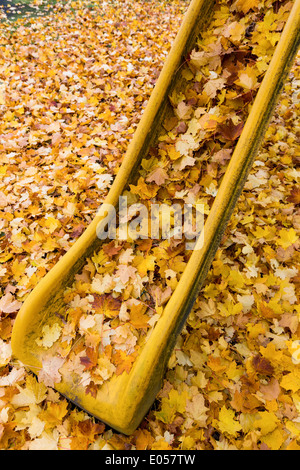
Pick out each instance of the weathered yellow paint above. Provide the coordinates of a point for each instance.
(124, 400)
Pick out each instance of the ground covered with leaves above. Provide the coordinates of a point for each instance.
(73, 86)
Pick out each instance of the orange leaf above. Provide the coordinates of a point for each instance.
(110, 249)
(144, 190)
(54, 413)
(123, 361)
(246, 5)
(143, 439)
(230, 131)
(265, 310)
(137, 316)
(90, 360)
(294, 195)
(262, 365)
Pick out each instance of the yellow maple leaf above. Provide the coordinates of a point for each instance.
(54, 413)
(50, 244)
(287, 237)
(50, 335)
(228, 308)
(100, 258)
(143, 439)
(188, 443)
(33, 393)
(173, 153)
(170, 405)
(236, 279)
(266, 232)
(245, 5)
(18, 268)
(270, 352)
(144, 190)
(293, 445)
(144, 264)
(227, 422)
(161, 444)
(290, 381)
(266, 421)
(52, 224)
(256, 329)
(233, 371)
(235, 31)
(275, 439)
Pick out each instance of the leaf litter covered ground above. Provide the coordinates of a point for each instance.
(73, 87)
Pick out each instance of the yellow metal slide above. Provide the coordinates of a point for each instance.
(124, 399)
